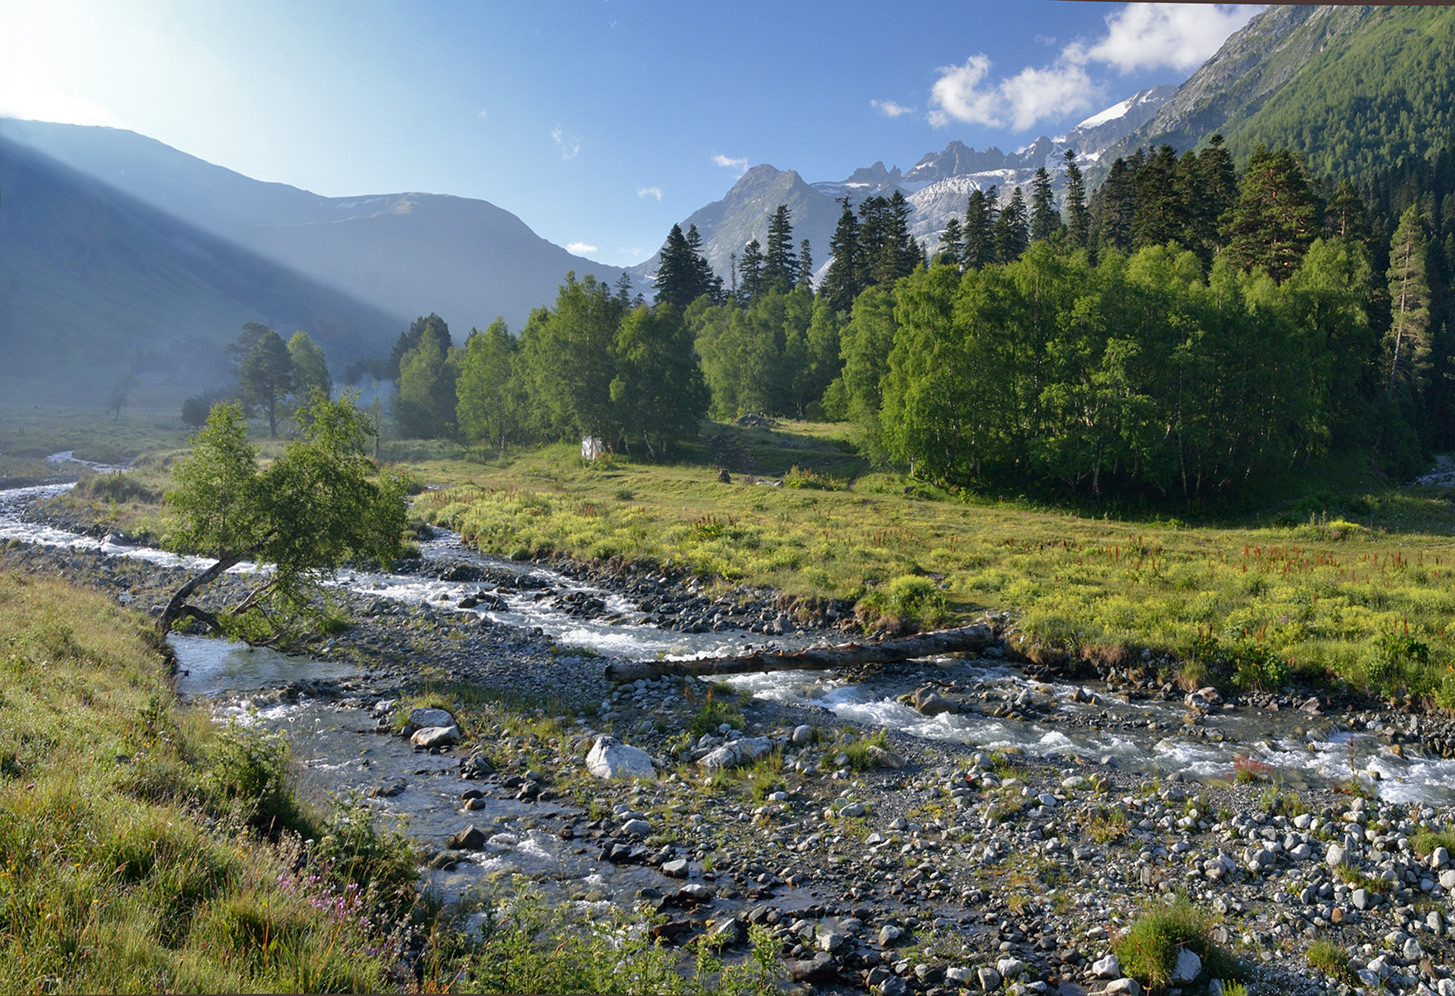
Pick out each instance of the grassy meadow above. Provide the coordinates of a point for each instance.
(1352, 588)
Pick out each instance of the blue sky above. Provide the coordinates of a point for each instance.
(599, 122)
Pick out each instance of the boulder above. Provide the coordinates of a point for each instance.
(737, 753)
(931, 703)
(436, 736)
(610, 758)
(1187, 968)
(472, 838)
(422, 717)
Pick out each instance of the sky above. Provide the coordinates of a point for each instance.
(600, 123)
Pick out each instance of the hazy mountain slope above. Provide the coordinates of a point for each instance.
(406, 254)
(94, 283)
(1352, 88)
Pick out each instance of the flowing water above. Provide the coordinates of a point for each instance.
(1140, 735)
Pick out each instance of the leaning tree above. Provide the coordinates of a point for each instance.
(318, 504)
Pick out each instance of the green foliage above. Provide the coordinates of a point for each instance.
(265, 377)
(914, 600)
(489, 408)
(310, 367)
(250, 770)
(1149, 947)
(1329, 958)
(319, 503)
(424, 405)
(720, 706)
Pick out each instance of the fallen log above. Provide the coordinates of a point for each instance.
(944, 641)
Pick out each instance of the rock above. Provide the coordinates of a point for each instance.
(1360, 899)
(885, 758)
(636, 828)
(422, 717)
(1187, 968)
(472, 838)
(820, 968)
(802, 734)
(727, 932)
(889, 934)
(1447, 880)
(1127, 987)
(989, 979)
(1334, 856)
(931, 703)
(737, 753)
(1107, 968)
(1439, 858)
(1010, 967)
(610, 758)
(828, 939)
(676, 868)
(436, 736)
(389, 789)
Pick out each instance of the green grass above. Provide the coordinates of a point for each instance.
(1331, 959)
(1302, 592)
(136, 840)
(1148, 949)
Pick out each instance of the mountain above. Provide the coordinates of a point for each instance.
(1352, 88)
(937, 186)
(96, 285)
(184, 237)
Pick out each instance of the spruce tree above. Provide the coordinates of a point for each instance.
(979, 230)
(1010, 229)
(952, 244)
(1078, 221)
(780, 264)
(805, 265)
(1409, 303)
(750, 272)
(704, 281)
(1158, 216)
(844, 279)
(1112, 207)
(1045, 218)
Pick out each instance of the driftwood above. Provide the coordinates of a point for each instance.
(944, 641)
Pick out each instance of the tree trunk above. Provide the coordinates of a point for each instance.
(945, 641)
(178, 606)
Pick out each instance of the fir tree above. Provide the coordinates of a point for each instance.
(1158, 217)
(979, 230)
(952, 244)
(1010, 229)
(844, 278)
(1045, 218)
(1078, 221)
(780, 264)
(750, 272)
(805, 265)
(1112, 208)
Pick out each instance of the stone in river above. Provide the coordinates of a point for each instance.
(436, 736)
(430, 717)
(472, 838)
(610, 758)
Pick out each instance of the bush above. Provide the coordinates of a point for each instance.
(912, 599)
(1149, 948)
(249, 771)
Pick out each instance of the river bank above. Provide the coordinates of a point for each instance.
(922, 865)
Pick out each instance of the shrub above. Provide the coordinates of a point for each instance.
(910, 598)
(1329, 958)
(249, 770)
(1149, 948)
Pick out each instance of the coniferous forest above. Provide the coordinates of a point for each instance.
(1189, 330)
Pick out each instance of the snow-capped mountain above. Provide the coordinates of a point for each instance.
(937, 187)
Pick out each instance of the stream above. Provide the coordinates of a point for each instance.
(344, 752)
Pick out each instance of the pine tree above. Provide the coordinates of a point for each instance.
(780, 264)
(704, 281)
(1010, 229)
(952, 244)
(409, 340)
(1078, 221)
(1045, 218)
(1347, 216)
(683, 274)
(1207, 187)
(844, 279)
(266, 376)
(1409, 303)
(1277, 216)
(979, 230)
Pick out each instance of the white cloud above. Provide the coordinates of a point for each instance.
(568, 144)
(1046, 94)
(1139, 36)
(958, 94)
(741, 165)
(580, 248)
(1156, 35)
(650, 192)
(483, 112)
(890, 108)
(1046, 40)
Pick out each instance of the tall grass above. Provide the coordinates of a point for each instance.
(131, 857)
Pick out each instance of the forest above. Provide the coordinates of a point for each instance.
(1187, 331)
